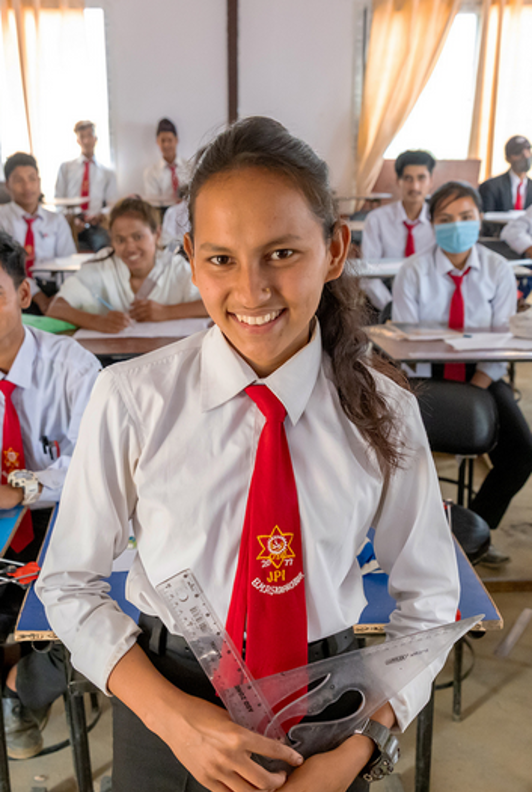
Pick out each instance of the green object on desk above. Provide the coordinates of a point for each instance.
(47, 323)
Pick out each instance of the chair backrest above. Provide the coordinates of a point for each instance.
(445, 170)
(458, 418)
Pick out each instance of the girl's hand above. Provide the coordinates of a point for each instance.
(218, 752)
(333, 771)
(147, 311)
(113, 322)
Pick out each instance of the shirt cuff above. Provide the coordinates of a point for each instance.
(495, 371)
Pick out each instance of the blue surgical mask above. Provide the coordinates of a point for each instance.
(457, 237)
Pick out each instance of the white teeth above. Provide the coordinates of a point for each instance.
(258, 320)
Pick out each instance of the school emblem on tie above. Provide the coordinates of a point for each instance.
(11, 460)
(276, 548)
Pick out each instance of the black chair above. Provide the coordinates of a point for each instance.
(461, 420)
(471, 531)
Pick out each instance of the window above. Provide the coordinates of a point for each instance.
(66, 77)
(441, 118)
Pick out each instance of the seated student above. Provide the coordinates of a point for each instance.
(85, 177)
(102, 295)
(460, 283)
(163, 180)
(175, 224)
(402, 228)
(43, 234)
(170, 441)
(513, 189)
(518, 234)
(45, 383)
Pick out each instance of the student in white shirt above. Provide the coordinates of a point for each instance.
(85, 176)
(423, 291)
(513, 189)
(169, 442)
(53, 378)
(175, 224)
(43, 234)
(104, 294)
(164, 180)
(402, 228)
(518, 234)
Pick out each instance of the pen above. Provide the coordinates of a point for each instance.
(103, 302)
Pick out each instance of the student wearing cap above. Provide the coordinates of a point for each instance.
(164, 179)
(513, 189)
(85, 177)
(43, 234)
(402, 228)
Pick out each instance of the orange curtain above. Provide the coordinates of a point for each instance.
(406, 39)
(503, 44)
(20, 24)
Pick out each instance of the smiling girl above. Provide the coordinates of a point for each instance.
(107, 294)
(261, 450)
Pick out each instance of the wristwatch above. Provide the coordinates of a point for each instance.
(386, 753)
(29, 483)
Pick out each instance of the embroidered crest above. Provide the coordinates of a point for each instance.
(11, 459)
(276, 547)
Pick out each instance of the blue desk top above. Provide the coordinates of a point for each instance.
(33, 625)
(9, 521)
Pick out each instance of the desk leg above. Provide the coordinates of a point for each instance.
(425, 722)
(5, 785)
(457, 680)
(75, 711)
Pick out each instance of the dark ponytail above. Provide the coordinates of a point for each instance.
(265, 143)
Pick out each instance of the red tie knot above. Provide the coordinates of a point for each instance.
(267, 402)
(7, 388)
(457, 279)
(410, 226)
(29, 220)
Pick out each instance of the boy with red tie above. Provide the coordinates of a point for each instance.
(164, 180)
(45, 383)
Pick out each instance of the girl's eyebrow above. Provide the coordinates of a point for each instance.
(209, 247)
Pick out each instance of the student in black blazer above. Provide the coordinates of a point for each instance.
(500, 194)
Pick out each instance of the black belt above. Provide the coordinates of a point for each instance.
(162, 642)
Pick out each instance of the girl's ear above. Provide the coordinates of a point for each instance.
(189, 250)
(24, 294)
(338, 250)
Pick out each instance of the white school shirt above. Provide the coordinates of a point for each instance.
(175, 224)
(518, 233)
(158, 179)
(422, 293)
(515, 181)
(110, 280)
(384, 234)
(51, 232)
(102, 183)
(168, 441)
(54, 376)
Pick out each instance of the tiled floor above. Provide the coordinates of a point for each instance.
(486, 752)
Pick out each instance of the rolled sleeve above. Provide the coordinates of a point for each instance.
(92, 529)
(414, 546)
(518, 233)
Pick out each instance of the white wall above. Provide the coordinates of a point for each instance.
(296, 64)
(165, 58)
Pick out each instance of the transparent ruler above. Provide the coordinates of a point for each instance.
(355, 684)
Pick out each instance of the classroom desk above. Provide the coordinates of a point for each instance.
(124, 348)
(388, 268)
(9, 522)
(59, 267)
(501, 218)
(383, 338)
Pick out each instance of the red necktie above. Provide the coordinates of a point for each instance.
(13, 459)
(456, 371)
(175, 180)
(519, 195)
(410, 247)
(268, 599)
(29, 244)
(85, 186)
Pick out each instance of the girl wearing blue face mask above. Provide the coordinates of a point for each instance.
(463, 284)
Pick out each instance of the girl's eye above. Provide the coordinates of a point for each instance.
(220, 260)
(280, 255)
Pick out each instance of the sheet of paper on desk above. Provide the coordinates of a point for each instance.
(412, 332)
(175, 328)
(474, 341)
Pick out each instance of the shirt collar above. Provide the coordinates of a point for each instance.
(423, 215)
(224, 374)
(165, 164)
(21, 370)
(82, 159)
(443, 265)
(20, 213)
(515, 180)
